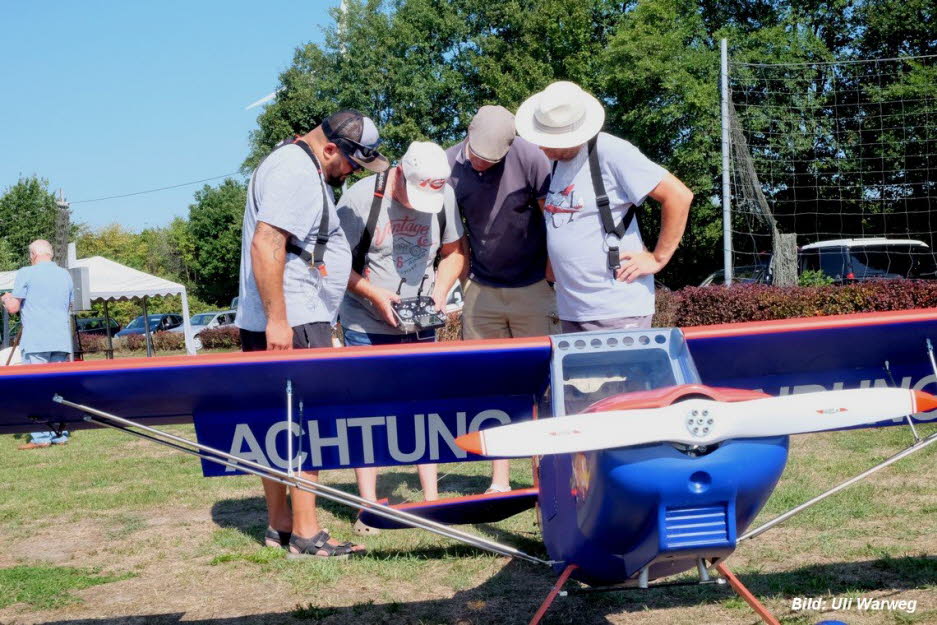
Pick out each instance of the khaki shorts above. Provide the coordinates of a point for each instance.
(493, 312)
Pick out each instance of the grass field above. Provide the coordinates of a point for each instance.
(110, 530)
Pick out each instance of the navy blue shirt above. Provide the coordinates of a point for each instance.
(503, 220)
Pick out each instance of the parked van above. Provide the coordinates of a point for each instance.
(854, 260)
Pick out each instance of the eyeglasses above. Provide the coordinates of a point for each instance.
(479, 156)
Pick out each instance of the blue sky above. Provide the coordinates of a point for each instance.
(109, 97)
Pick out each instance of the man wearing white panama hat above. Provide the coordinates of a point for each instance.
(604, 274)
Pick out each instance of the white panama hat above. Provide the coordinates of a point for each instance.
(560, 116)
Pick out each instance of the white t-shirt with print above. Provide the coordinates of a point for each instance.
(402, 250)
(586, 288)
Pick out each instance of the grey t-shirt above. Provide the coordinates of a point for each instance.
(402, 250)
(288, 193)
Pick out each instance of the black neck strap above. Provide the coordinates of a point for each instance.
(364, 244)
(317, 258)
(605, 211)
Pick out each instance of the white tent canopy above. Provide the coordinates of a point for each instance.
(111, 281)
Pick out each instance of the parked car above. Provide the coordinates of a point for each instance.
(96, 325)
(742, 274)
(158, 323)
(204, 321)
(854, 260)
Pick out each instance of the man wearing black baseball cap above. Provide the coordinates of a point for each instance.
(295, 264)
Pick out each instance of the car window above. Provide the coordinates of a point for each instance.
(833, 262)
(892, 261)
(809, 260)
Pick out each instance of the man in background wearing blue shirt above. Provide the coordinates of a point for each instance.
(42, 294)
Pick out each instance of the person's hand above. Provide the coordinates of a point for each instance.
(279, 335)
(439, 300)
(382, 300)
(637, 264)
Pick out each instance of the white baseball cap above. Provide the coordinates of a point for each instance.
(426, 168)
(560, 116)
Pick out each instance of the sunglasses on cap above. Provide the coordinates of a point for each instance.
(354, 151)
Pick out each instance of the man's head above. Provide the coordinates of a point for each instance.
(490, 136)
(560, 119)
(40, 250)
(345, 142)
(421, 177)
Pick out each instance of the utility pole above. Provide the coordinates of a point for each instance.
(62, 228)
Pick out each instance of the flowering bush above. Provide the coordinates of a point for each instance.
(168, 341)
(225, 337)
(130, 343)
(696, 306)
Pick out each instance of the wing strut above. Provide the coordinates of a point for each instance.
(99, 417)
(918, 446)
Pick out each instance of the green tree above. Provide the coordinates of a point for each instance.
(7, 258)
(421, 68)
(661, 69)
(27, 213)
(214, 240)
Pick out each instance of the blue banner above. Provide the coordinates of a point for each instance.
(355, 435)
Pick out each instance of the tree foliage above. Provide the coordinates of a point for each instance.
(27, 213)
(211, 242)
(421, 68)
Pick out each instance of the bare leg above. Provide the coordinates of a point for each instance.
(279, 516)
(367, 488)
(305, 519)
(500, 475)
(427, 473)
(367, 482)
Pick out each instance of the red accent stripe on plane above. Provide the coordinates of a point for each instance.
(293, 355)
(520, 492)
(854, 320)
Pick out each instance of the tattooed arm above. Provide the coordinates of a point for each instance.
(268, 258)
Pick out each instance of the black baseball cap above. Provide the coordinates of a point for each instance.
(357, 137)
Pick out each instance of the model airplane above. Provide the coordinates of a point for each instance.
(637, 469)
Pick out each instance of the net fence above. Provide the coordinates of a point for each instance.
(837, 162)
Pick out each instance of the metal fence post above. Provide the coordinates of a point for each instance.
(726, 192)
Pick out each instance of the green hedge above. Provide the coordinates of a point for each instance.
(700, 306)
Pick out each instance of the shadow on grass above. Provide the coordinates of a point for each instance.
(249, 514)
(513, 594)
